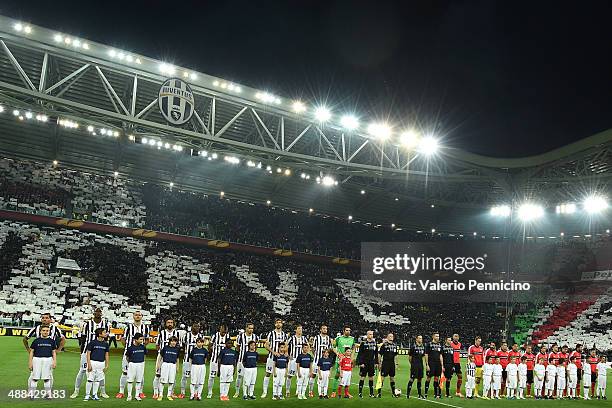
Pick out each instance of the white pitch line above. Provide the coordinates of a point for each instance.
(441, 403)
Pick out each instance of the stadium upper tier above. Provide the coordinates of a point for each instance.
(97, 108)
(47, 189)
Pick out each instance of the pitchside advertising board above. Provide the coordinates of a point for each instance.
(176, 101)
(473, 271)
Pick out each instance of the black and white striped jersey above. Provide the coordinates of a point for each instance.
(88, 330)
(471, 369)
(54, 332)
(295, 344)
(217, 342)
(163, 338)
(320, 344)
(131, 330)
(189, 342)
(243, 340)
(275, 339)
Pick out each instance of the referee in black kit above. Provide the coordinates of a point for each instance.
(367, 359)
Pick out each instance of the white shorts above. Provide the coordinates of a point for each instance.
(345, 379)
(560, 382)
(135, 372)
(292, 368)
(167, 373)
(186, 369)
(41, 368)
(239, 369)
(213, 368)
(586, 380)
(270, 364)
(97, 371)
(512, 382)
(249, 376)
(538, 384)
(522, 382)
(83, 362)
(572, 381)
(226, 373)
(197, 374)
(550, 382)
(470, 382)
(124, 364)
(487, 379)
(601, 381)
(324, 380)
(279, 378)
(497, 380)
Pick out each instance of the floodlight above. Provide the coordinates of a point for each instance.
(322, 114)
(595, 204)
(530, 212)
(381, 131)
(298, 107)
(500, 211)
(349, 122)
(409, 139)
(428, 145)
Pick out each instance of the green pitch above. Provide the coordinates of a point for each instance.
(14, 374)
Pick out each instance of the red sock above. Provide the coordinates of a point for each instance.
(346, 391)
(339, 390)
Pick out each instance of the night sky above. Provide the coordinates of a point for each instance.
(505, 79)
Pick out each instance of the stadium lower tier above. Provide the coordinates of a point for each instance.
(210, 286)
(14, 377)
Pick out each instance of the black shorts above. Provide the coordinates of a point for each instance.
(416, 371)
(529, 376)
(435, 370)
(593, 377)
(579, 377)
(504, 375)
(457, 368)
(367, 370)
(448, 371)
(387, 370)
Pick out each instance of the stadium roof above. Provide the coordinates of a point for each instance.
(103, 88)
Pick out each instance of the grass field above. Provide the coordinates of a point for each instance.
(14, 374)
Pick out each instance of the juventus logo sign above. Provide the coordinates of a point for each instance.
(176, 101)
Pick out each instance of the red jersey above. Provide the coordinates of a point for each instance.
(476, 351)
(456, 352)
(516, 355)
(529, 361)
(577, 359)
(346, 364)
(592, 361)
(540, 355)
(553, 358)
(490, 353)
(502, 357)
(564, 356)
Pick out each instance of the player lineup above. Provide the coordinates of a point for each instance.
(490, 373)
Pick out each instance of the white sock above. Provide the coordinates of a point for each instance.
(122, 382)
(266, 384)
(139, 388)
(288, 385)
(170, 389)
(156, 385)
(310, 384)
(183, 384)
(238, 383)
(33, 386)
(79, 380)
(88, 387)
(102, 384)
(130, 387)
(47, 384)
(95, 388)
(211, 382)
